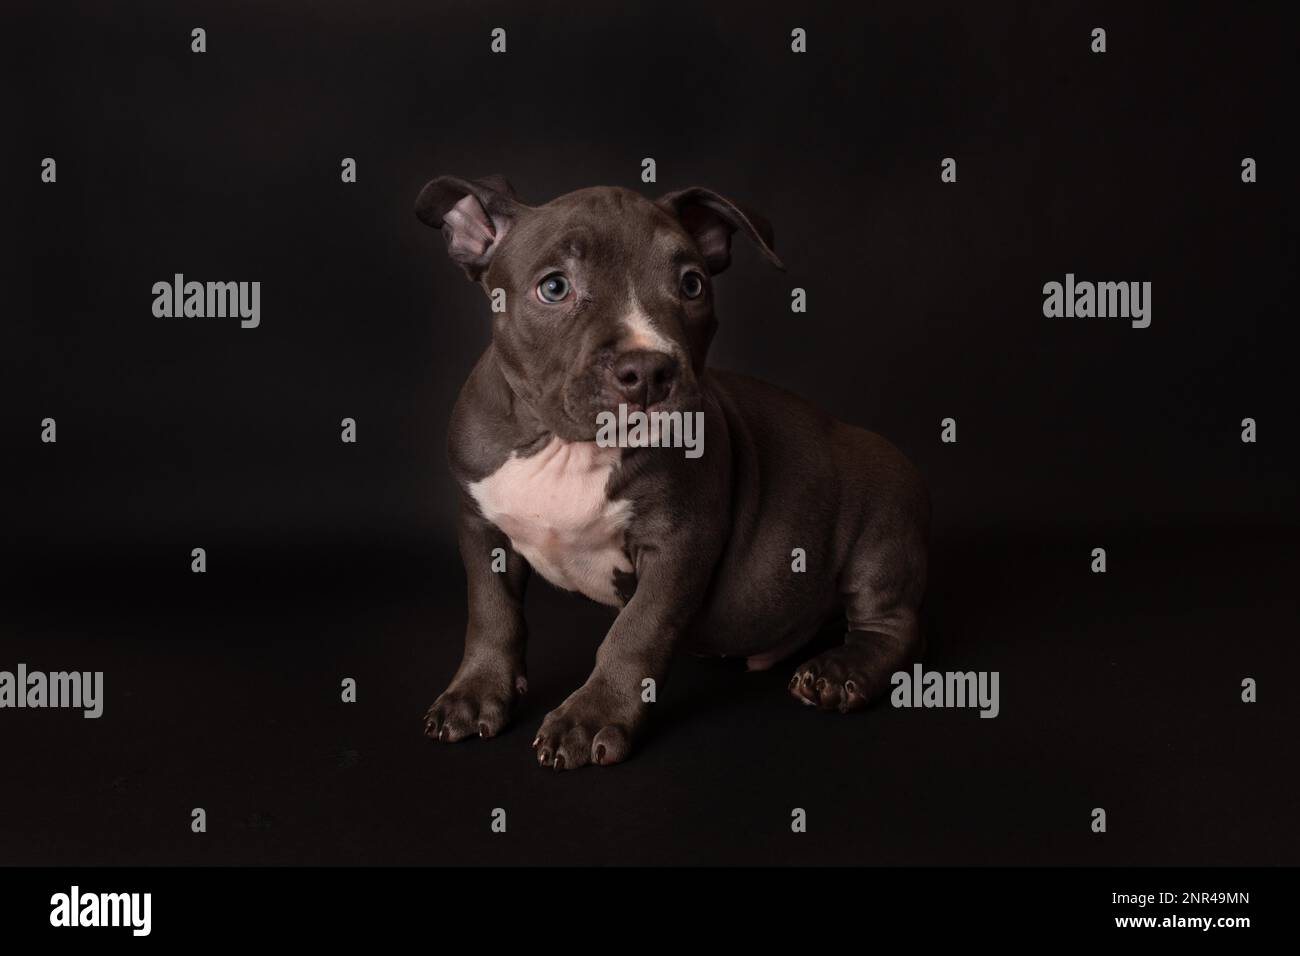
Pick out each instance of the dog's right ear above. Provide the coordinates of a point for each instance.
(473, 214)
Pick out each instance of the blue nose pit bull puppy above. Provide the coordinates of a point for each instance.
(609, 301)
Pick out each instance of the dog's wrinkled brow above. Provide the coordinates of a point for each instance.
(671, 247)
(683, 257)
(573, 244)
(569, 245)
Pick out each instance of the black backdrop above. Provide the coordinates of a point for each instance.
(328, 560)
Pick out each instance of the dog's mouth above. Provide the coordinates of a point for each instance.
(590, 418)
(665, 406)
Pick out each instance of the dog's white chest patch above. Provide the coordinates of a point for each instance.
(552, 506)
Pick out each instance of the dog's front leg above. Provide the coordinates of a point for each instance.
(599, 722)
(491, 677)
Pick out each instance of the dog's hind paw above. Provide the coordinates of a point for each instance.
(839, 679)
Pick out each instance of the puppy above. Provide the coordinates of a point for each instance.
(603, 298)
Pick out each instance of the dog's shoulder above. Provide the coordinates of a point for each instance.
(484, 429)
(762, 407)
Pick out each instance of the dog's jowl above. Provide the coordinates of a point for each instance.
(609, 311)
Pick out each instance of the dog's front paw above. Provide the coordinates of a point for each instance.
(592, 726)
(476, 703)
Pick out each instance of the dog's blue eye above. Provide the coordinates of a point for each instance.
(692, 285)
(554, 288)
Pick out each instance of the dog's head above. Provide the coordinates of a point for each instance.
(602, 296)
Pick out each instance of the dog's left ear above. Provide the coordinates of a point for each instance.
(711, 219)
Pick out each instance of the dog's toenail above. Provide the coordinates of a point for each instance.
(600, 752)
(537, 741)
(559, 762)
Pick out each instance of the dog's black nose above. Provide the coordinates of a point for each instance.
(643, 377)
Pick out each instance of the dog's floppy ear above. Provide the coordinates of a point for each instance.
(711, 219)
(473, 214)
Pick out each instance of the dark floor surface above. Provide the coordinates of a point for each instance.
(1119, 691)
